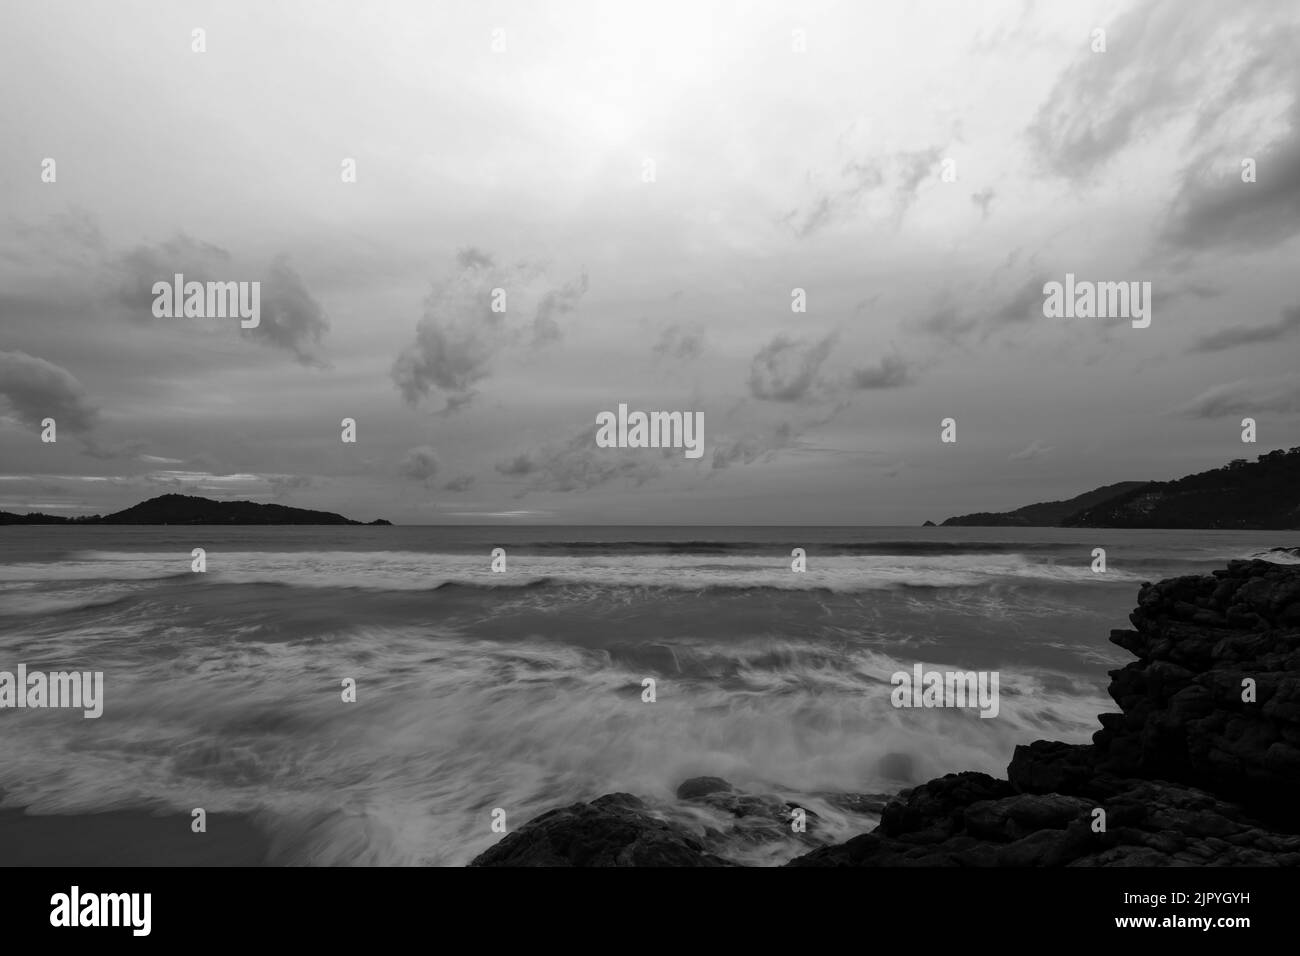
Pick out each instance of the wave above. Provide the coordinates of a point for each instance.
(1277, 555)
(446, 728)
(781, 547)
(416, 571)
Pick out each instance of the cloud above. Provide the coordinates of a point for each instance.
(459, 483)
(1249, 335)
(459, 334)
(679, 343)
(1249, 396)
(1103, 100)
(753, 446)
(892, 372)
(860, 178)
(290, 318)
(984, 199)
(1106, 101)
(36, 389)
(1035, 449)
(915, 168)
(420, 464)
(578, 464)
(951, 323)
(760, 444)
(521, 464)
(786, 370)
(1025, 304)
(557, 302)
(1225, 211)
(144, 265)
(947, 323)
(473, 258)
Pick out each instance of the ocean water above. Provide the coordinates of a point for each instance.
(523, 690)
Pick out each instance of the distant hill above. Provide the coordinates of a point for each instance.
(1257, 496)
(190, 509)
(1046, 514)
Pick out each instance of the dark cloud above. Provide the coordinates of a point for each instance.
(786, 370)
(892, 372)
(948, 322)
(914, 168)
(420, 464)
(678, 343)
(753, 446)
(762, 443)
(459, 334)
(1250, 335)
(456, 402)
(146, 264)
(521, 464)
(1225, 211)
(1106, 101)
(35, 389)
(290, 317)
(472, 258)
(1247, 397)
(1025, 304)
(578, 464)
(557, 302)
(460, 483)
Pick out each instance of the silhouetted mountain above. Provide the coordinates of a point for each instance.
(1252, 496)
(1046, 514)
(1259, 495)
(189, 509)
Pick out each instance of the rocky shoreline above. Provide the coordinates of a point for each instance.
(1201, 766)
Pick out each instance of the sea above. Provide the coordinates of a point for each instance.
(485, 696)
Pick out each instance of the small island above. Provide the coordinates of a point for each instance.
(191, 509)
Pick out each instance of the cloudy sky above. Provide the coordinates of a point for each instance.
(648, 183)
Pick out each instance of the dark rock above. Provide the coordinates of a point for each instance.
(614, 830)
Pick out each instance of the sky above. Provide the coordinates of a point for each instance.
(649, 185)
